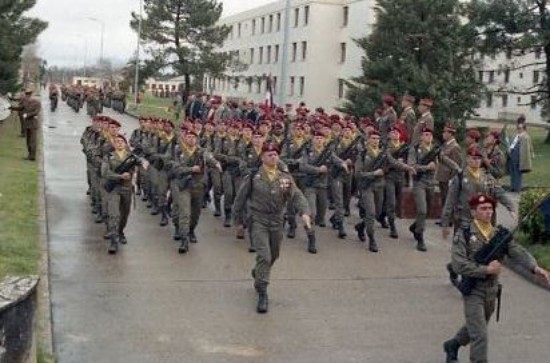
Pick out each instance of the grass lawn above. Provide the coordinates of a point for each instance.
(152, 106)
(19, 244)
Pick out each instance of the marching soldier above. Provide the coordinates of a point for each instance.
(369, 170)
(426, 120)
(188, 171)
(266, 192)
(494, 159)
(423, 184)
(119, 199)
(388, 117)
(315, 165)
(480, 304)
(394, 177)
(166, 143)
(408, 116)
(450, 160)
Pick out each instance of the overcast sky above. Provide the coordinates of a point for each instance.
(72, 38)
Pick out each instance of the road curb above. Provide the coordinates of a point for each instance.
(45, 323)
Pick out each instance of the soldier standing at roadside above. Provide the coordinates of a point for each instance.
(29, 109)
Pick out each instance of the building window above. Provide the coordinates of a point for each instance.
(480, 73)
(306, 15)
(538, 51)
(342, 52)
(489, 100)
(533, 102)
(274, 86)
(239, 30)
(268, 57)
(340, 88)
(302, 85)
(296, 17)
(520, 74)
(249, 83)
(346, 16)
(493, 56)
(231, 32)
(261, 52)
(270, 25)
(506, 75)
(291, 86)
(491, 76)
(253, 26)
(294, 50)
(259, 86)
(508, 53)
(535, 77)
(251, 55)
(519, 100)
(262, 26)
(304, 50)
(505, 100)
(278, 21)
(276, 54)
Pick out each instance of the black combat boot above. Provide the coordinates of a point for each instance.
(177, 231)
(113, 244)
(227, 220)
(95, 209)
(451, 350)
(263, 301)
(123, 239)
(311, 242)
(412, 229)
(155, 210)
(360, 228)
(192, 236)
(98, 217)
(164, 216)
(373, 246)
(347, 212)
(184, 245)
(453, 276)
(138, 191)
(291, 233)
(341, 231)
(218, 211)
(333, 222)
(420, 244)
(382, 221)
(393, 230)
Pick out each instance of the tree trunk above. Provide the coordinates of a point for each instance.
(187, 88)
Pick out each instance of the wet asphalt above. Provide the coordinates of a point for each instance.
(150, 304)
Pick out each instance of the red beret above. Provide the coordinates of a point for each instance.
(474, 151)
(248, 125)
(278, 125)
(427, 129)
(426, 102)
(269, 146)
(191, 132)
(395, 129)
(474, 134)
(388, 99)
(114, 122)
(168, 122)
(409, 98)
(319, 133)
(450, 127)
(495, 134)
(374, 132)
(480, 199)
(120, 136)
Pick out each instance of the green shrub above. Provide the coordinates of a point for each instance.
(533, 229)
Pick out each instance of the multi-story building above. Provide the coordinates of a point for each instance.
(320, 51)
(512, 81)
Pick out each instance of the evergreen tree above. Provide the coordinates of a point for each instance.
(516, 27)
(419, 47)
(186, 33)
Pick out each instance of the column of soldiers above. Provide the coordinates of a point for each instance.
(321, 161)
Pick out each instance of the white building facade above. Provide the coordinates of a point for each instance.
(321, 51)
(510, 79)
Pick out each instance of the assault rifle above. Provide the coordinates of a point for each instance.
(402, 152)
(321, 160)
(184, 179)
(496, 248)
(128, 164)
(428, 158)
(347, 154)
(378, 163)
(291, 161)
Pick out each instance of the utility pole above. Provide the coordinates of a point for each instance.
(284, 62)
(136, 90)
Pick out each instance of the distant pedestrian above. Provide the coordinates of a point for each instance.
(520, 157)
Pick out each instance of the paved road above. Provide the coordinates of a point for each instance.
(149, 304)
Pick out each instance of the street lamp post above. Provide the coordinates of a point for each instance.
(102, 36)
(136, 91)
(284, 62)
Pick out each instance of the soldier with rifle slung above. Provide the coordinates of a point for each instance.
(369, 171)
(480, 300)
